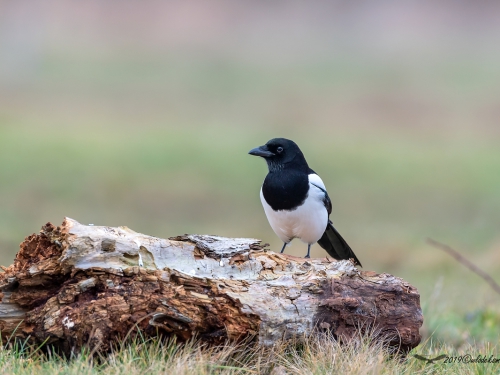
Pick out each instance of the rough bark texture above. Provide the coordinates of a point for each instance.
(79, 285)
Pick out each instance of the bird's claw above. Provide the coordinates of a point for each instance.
(307, 256)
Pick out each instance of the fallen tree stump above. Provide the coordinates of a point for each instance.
(78, 285)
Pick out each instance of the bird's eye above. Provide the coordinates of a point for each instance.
(279, 149)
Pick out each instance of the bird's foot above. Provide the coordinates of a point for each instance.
(308, 251)
(283, 248)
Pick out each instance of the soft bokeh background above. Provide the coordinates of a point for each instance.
(141, 113)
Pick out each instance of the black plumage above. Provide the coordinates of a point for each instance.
(296, 202)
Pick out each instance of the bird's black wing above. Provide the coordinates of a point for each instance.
(331, 240)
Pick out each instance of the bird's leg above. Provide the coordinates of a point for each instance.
(283, 248)
(308, 251)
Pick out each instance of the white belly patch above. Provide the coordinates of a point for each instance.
(307, 222)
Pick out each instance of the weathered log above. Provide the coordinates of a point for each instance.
(78, 285)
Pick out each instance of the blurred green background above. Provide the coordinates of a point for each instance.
(142, 114)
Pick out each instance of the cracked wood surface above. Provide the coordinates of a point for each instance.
(78, 285)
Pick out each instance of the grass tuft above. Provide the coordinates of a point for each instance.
(319, 354)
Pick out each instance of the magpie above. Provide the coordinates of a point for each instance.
(296, 202)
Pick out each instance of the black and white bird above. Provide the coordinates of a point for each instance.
(296, 202)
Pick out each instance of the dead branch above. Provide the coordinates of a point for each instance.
(467, 263)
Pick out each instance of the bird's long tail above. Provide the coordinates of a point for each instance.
(336, 246)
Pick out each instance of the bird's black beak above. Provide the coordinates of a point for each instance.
(261, 151)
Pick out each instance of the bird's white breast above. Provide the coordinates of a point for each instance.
(307, 222)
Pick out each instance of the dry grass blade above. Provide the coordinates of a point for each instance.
(319, 354)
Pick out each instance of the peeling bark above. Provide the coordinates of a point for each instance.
(78, 285)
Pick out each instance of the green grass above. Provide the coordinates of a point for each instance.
(389, 196)
(316, 355)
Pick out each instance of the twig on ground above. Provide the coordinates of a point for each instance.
(467, 263)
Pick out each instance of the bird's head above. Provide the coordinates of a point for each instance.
(280, 153)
